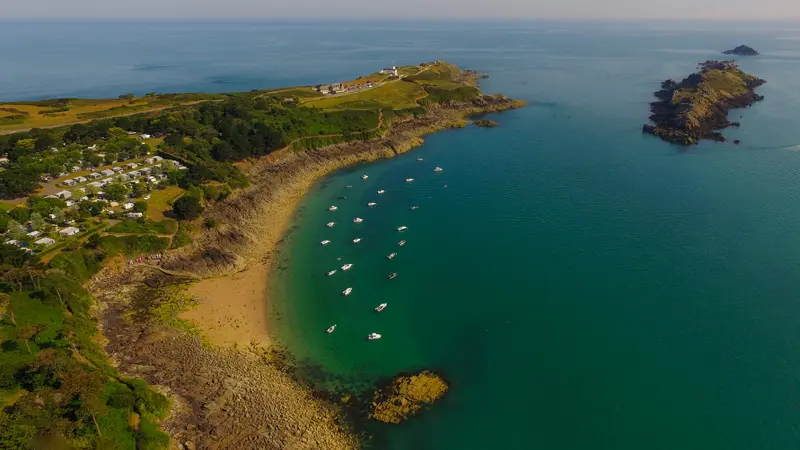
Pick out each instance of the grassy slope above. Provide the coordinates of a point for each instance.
(714, 86)
(394, 95)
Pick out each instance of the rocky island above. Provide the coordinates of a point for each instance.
(697, 106)
(407, 395)
(741, 50)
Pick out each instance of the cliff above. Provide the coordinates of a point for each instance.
(407, 395)
(696, 107)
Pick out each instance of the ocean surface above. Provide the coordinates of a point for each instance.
(579, 284)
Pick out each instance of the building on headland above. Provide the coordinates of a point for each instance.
(392, 72)
(331, 88)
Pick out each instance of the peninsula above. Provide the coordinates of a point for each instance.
(697, 106)
(741, 50)
(137, 238)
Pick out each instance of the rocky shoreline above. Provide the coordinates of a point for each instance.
(229, 398)
(697, 107)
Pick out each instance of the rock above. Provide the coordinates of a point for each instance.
(407, 395)
(485, 123)
(190, 445)
(741, 50)
(736, 141)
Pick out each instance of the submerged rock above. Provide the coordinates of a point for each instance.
(407, 395)
(741, 50)
(485, 123)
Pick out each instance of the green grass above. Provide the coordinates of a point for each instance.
(161, 201)
(133, 245)
(167, 226)
(392, 95)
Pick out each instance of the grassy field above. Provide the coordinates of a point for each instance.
(440, 84)
(159, 200)
(394, 95)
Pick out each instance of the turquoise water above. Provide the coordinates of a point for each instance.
(581, 285)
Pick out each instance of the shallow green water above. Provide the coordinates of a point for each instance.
(582, 286)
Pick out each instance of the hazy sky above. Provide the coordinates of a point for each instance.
(402, 9)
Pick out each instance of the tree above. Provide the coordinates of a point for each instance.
(140, 189)
(140, 206)
(15, 230)
(37, 221)
(126, 97)
(28, 333)
(5, 309)
(187, 207)
(44, 142)
(116, 192)
(17, 182)
(91, 190)
(59, 215)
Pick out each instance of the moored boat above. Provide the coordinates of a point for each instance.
(331, 224)
(393, 276)
(371, 204)
(381, 191)
(358, 220)
(347, 291)
(409, 180)
(381, 307)
(391, 255)
(356, 240)
(325, 242)
(349, 186)
(403, 228)
(332, 208)
(364, 177)
(419, 159)
(438, 169)
(347, 266)
(332, 272)
(401, 243)
(414, 208)
(374, 336)
(332, 327)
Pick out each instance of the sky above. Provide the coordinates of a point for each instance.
(403, 9)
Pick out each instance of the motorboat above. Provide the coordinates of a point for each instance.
(419, 159)
(391, 255)
(409, 180)
(332, 208)
(401, 243)
(356, 240)
(414, 208)
(371, 204)
(330, 330)
(332, 272)
(347, 291)
(325, 242)
(381, 307)
(358, 220)
(374, 336)
(347, 266)
(393, 276)
(381, 191)
(403, 228)
(364, 177)
(331, 224)
(349, 186)
(438, 169)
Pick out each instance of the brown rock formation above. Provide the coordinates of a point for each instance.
(407, 395)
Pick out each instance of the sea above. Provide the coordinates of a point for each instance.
(579, 284)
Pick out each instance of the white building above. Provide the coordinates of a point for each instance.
(45, 241)
(153, 160)
(134, 215)
(34, 234)
(392, 72)
(69, 183)
(117, 169)
(69, 231)
(81, 179)
(145, 136)
(131, 166)
(94, 175)
(64, 194)
(127, 206)
(107, 172)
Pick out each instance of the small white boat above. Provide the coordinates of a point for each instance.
(403, 228)
(414, 208)
(356, 240)
(393, 276)
(419, 159)
(371, 204)
(358, 220)
(332, 272)
(438, 169)
(330, 330)
(381, 191)
(374, 336)
(349, 186)
(325, 242)
(331, 224)
(364, 177)
(332, 208)
(401, 243)
(391, 255)
(381, 307)
(347, 266)
(347, 291)
(409, 180)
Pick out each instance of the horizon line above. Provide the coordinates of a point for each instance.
(399, 20)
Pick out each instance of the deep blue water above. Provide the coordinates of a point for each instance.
(581, 285)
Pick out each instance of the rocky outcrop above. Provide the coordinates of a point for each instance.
(407, 395)
(696, 107)
(485, 123)
(741, 50)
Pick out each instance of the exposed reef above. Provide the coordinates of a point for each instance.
(407, 395)
(485, 123)
(696, 107)
(742, 50)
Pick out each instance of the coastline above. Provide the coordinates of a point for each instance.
(234, 263)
